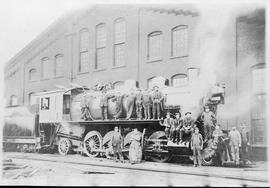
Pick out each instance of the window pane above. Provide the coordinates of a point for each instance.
(84, 40)
(45, 68)
(119, 31)
(180, 41)
(179, 81)
(101, 36)
(119, 55)
(155, 46)
(13, 100)
(100, 58)
(258, 80)
(59, 65)
(84, 59)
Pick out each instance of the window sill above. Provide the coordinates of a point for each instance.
(85, 72)
(32, 81)
(154, 61)
(44, 79)
(176, 57)
(117, 67)
(56, 77)
(99, 70)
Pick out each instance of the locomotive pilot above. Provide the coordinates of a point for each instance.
(188, 126)
(175, 130)
(147, 103)
(157, 99)
(208, 118)
(168, 123)
(139, 104)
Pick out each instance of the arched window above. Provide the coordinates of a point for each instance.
(101, 39)
(119, 42)
(58, 66)
(84, 50)
(45, 67)
(31, 98)
(13, 100)
(32, 74)
(179, 41)
(154, 46)
(179, 80)
(118, 85)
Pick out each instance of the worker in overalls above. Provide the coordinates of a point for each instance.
(147, 104)
(157, 100)
(139, 104)
(116, 142)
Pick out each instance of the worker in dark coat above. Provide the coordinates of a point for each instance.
(139, 104)
(188, 126)
(85, 107)
(104, 103)
(197, 146)
(168, 123)
(178, 124)
(131, 97)
(116, 142)
(157, 100)
(147, 104)
(208, 118)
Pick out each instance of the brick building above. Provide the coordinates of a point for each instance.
(116, 43)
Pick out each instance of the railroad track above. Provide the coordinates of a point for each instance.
(140, 168)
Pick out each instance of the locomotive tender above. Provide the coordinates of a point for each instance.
(58, 123)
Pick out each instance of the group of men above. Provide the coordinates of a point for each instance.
(148, 104)
(179, 128)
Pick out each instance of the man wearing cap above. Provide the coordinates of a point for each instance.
(235, 143)
(245, 142)
(157, 99)
(168, 123)
(208, 118)
(147, 103)
(177, 125)
(139, 104)
(104, 103)
(188, 126)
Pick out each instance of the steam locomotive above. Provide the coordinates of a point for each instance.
(57, 123)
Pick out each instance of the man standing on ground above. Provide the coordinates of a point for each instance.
(117, 144)
(245, 143)
(197, 146)
(235, 143)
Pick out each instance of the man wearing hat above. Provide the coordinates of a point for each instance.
(104, 103)
(147, 103)
(188, 126)
(208, 118)
(157, 99)
(139, 104)
(177, 125)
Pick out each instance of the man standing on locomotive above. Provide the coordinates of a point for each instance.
(208, 118)
(139, 104)
(157, 99)
(116, 142)
(168, 123)
(84, 107)
(147, 103)
(104, 104)
(188, 126)
(197, 146)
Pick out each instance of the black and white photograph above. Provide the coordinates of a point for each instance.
(135, 93)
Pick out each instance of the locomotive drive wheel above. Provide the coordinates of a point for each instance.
(92, 140)
(160, 157)
(207, 159)
(64, 146)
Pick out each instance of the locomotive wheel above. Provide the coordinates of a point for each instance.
(207, 160)
(64, 146)
(92, 140)
(160, 157)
